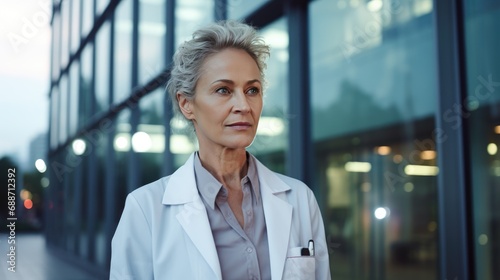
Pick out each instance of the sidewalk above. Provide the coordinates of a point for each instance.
(35, 262)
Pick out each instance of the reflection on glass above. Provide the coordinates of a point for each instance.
(482, 19)
(151, 39)
(238, 9)
(373, 86)
(123, 51)
(102, 68)
(271, 143)
(73, 97)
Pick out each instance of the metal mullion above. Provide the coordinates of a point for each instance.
(299, 155)
(456, 257)
(168, 161)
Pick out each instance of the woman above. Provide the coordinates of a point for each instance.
(222, 215)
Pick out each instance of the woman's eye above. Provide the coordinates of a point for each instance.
(253, 91)
(222, 91)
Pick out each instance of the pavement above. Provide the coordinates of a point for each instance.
(35, 261)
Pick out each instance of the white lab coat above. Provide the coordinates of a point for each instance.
(164, 231)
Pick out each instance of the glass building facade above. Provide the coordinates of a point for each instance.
(388, 109)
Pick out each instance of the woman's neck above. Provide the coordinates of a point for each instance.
(227, 165)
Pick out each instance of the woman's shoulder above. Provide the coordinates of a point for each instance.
(152, 191)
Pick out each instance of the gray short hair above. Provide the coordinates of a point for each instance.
(209, 40)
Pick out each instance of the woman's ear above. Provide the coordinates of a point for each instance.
(185, 106)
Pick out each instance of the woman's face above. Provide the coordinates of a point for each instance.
(227, 103)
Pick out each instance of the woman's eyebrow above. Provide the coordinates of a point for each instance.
(232, 82)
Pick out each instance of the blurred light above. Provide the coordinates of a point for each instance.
(45, 182)
(141, 142)
(40, 165)
(497, 129)
(341, 4)
(28, 204)
(482, 239)
(282, 56)
(180, 144)
(428, 155)
(354, 3)
(178, 123)
(270, 126)
(152, 28)
(157, 143)
(79, 147)
(357, 166)
(492, 149)
(472, 105)
(397, 159)
(122, 142)
(421, 170)
(366, 187)
(383, 150)
(276, 38)
(381, 213)
(25, 194)
(374, 5)
(51, 204)
(188, 14)
(408, 187)
(432, 226)
(422, 7)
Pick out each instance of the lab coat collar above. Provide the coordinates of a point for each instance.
(181, 189)
(184, 176)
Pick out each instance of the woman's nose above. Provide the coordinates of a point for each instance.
(240, 102)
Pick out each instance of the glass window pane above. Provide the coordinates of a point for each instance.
(121, 145)
(87, 17)
(100, 6)
(75, 25)
(99, 200)
(482, 19)
(65, 24)
(271, 141)
(238, 9)
(74, 97)
(86, 86)
(152, 131)
(373, 92)
(63, 109)
(56, 46)
(189, 16)
(151, 39)
(54, 118)
(123, 51)
(102, 67)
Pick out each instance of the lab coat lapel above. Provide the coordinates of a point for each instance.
(182, 191)
(278, 213)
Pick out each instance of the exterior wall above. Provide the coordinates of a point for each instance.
(387, 109)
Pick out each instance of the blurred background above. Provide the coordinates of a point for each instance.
(388, 109)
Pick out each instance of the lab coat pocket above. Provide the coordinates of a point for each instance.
(300, 268)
